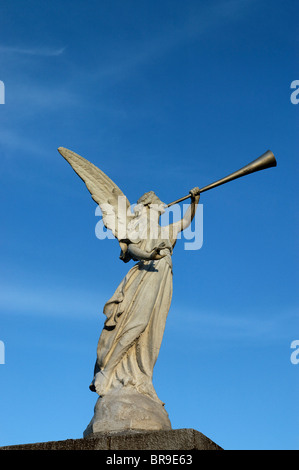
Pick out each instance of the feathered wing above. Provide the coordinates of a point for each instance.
(113, 203)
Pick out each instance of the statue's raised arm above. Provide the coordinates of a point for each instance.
(176, 227)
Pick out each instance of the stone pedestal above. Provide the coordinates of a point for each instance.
(172, 440)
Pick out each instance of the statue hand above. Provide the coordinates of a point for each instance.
(194, 192)
(155, 254)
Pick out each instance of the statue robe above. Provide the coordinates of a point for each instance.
(136, 315)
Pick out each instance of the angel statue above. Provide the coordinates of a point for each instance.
(136, 314)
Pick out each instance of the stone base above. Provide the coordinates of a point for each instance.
(126, 411)
(175, 439)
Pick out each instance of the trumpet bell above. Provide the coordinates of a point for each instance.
(267, 160)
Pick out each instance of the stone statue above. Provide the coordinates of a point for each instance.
(136, 313)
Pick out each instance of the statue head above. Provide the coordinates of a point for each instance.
(150, 199)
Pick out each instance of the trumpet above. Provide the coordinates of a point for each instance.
(267, 160)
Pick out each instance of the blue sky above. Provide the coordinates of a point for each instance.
(164, 96)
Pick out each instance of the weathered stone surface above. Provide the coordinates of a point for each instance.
(175, 439)
(127, 410)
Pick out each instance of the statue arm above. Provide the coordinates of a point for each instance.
(139, 254)
(182, 224)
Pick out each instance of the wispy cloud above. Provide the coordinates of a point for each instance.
(240, 327)
(17, 141)
(46, 301)
(32, 100)
(202, 21)
(36, 51)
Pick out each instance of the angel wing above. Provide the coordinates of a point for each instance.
(113, 203)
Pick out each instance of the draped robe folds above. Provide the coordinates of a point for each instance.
(136, 315)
